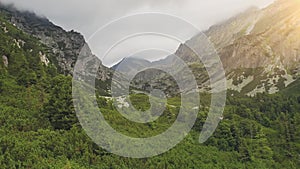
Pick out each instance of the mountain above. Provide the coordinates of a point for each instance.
(23, 57)
(126, 64)
(259, 49)
(162, 74)
(65, 45)
(39, 127)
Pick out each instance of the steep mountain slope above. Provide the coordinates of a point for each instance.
(23, 56)
(258, 48)
(66, 46)
(38, 125)
(146, 76)
(127, 64)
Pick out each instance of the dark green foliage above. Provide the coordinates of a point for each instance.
(293, 89)
(59, 109)
(39, 129)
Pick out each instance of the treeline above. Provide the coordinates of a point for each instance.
(39, 128)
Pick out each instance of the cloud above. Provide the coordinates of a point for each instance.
(89, 15)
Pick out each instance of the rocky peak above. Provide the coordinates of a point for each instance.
(228, 31)
(258, 48)
(66, 45)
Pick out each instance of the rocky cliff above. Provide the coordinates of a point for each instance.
(66, 45)
(258, 48)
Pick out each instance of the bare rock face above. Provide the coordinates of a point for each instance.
(259, 49)
(44, 58)
(227, 32)
(66, 45)
(274, 40)
(5, 60)
(261, 44)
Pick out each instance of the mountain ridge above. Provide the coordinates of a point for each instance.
(66, 45)
(256, 48)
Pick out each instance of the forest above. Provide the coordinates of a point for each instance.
(39, 127)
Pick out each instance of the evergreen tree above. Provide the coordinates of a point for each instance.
(59, 109)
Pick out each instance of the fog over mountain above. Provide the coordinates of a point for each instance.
(87, 16)
(60, 105)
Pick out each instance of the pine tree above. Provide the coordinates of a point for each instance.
(59, 109)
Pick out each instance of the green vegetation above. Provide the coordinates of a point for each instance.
(140, 101)
(293, 89)
(39, 129)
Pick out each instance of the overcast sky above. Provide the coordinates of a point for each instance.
(87, 16)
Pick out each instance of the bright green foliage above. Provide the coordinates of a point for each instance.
(39, 129)
(140, 101)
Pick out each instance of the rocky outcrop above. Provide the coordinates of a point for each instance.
(259, 48)
(267, 40)
(44, 59)
(5, 60)
(66, 45)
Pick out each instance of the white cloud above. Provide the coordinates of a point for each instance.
(88, 15)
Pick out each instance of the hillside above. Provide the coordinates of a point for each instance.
(65, 45)
(258, 48)
(39, 127)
